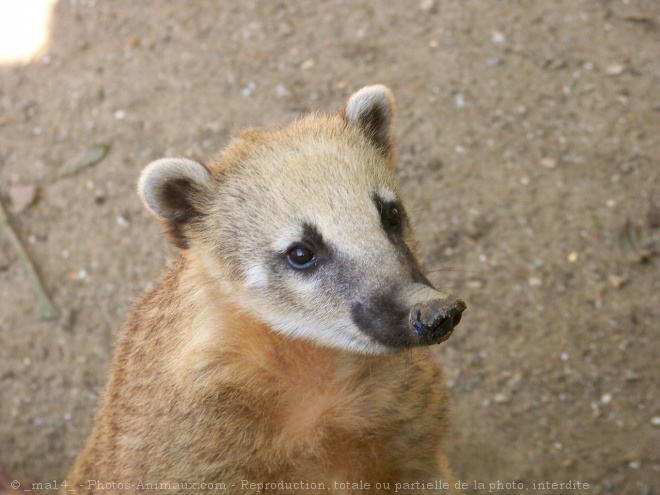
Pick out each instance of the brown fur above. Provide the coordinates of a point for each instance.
(201, 390)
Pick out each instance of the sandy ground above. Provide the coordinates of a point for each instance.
(529, 138)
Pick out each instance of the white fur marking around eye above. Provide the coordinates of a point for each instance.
(386, 195)
(256, 276)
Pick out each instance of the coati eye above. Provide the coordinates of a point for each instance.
(300, 257)
(391, 215)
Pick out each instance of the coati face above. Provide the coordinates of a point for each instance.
(303, 227)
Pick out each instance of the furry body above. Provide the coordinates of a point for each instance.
(238, 370)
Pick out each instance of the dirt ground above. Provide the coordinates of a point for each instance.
(529, 149)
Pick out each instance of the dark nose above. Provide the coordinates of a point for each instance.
(434, 321)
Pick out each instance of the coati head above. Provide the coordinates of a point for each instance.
(303, 227)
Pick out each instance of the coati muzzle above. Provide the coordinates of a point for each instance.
(434, 321)
(425, 317)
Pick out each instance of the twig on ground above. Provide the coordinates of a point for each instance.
(47, 309)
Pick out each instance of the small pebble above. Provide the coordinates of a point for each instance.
(281, 91)
(501, 398)
(655, 421)
(573, 257)
(428, 6)
(22, 196)
(285, 29)
(308, 64)
(634, 464)
(617, 281)
(498, 38)
(622, 99)
(564, 356)
(248, 90)
(615, 69)
(120, 115)
(606, 399)
(632, 376)
(548, 162)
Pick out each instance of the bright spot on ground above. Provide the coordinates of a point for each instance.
(24, 28)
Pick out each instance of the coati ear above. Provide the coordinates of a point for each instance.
(372, 109)
(170, 189)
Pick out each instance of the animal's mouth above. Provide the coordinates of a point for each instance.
(434, 321)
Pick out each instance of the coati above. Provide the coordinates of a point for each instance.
(286, 349)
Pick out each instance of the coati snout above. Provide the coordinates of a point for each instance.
(393, 322)
(434, 321)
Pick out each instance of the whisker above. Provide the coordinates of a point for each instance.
(425, 208)
(443, 259)
(452, 270)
